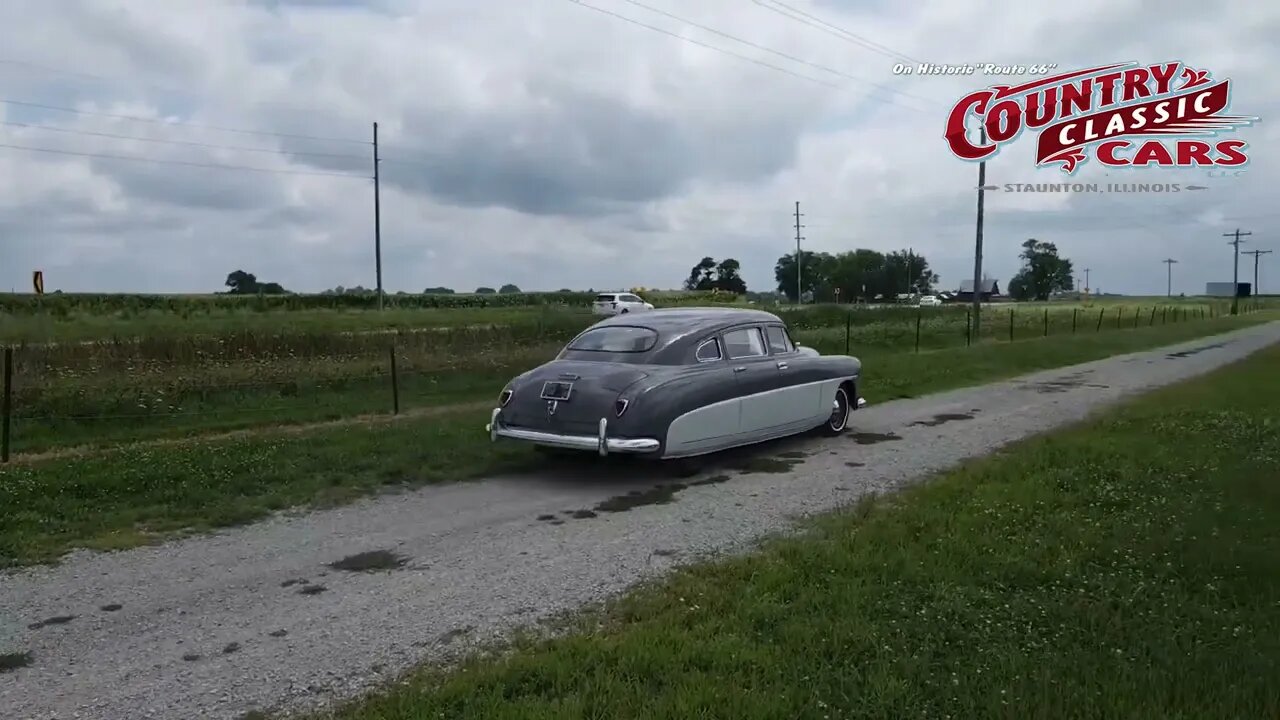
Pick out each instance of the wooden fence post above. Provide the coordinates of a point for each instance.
(968, 327)
(1010, 324)
(1046, 322)
(1119, 314)
(395, 383)
(918, 312)
(1075, 312)
(1101, 313)
(7, 410)
(848, 331)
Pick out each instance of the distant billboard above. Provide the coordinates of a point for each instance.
(1223, 289)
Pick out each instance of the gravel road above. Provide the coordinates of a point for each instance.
(258, 618)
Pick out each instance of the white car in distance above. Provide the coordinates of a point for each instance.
(618, 303)
(930, 300)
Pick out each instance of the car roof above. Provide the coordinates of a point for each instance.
(682, 320)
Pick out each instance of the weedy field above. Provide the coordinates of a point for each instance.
(113, 370)
(1126, 568)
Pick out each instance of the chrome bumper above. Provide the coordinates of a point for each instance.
(600, 442)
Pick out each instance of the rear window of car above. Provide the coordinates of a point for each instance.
(616, 339)
(604, 298)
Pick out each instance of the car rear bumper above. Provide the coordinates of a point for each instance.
(600, 442)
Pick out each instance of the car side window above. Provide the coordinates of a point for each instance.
(631, 299)
(708, 351)
(744, 343)
(779, 341)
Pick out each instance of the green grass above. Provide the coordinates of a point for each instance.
(138, 494)
(1125, 568)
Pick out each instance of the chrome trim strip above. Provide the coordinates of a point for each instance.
(600, 443)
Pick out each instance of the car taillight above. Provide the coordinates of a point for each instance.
(504, 398)
(620, 407)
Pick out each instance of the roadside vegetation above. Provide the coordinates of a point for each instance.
(292, 366)
(143, 492)
(1125, 568)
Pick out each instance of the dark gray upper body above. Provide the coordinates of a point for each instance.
(651, 361)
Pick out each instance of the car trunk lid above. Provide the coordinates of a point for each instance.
(570, 396)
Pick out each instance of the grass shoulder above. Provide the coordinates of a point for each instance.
(1128, 567)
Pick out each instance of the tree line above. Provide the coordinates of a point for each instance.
(853, 275)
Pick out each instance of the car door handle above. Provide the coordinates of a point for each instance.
(739, 369)
(782, 366)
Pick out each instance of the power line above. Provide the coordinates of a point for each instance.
(708, 46)
(212, 166)
(814, 21)
(157, 121)
(1256, 254)
(779, 53)
(188, 143)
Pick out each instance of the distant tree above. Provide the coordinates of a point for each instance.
(438, 291)
(711, 275)
(728, 278)
(1043, 273)
(701, 275)
(241, 283)
(245, 283)
(860, 273)
(565, 290)
(485, 291)
(508, 288)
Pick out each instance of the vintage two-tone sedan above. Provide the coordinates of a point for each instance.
(676, 383)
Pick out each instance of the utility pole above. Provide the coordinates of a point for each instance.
(1235, 275)
(1255, 254)
(1086, 281)
(377, 215)
(977, 248)
(799, 290)
(1170, 263)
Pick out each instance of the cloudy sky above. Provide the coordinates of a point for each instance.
(549, 144)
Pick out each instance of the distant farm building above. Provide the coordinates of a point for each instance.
(1223, 289)
(990, 289)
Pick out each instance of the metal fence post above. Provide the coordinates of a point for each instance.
(1164, 315)
(395, 383)
(918, 313)
(1075, 312)
(1119, 315)
(848, 330)
(1153, 316)
(968, 327)
(1046, 322)
(1010, 324)
(1101, 313)
(7, 410)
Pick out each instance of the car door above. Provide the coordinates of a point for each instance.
(715, 418)
(800, 397)
(758, 379)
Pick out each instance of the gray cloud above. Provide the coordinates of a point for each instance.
(550, 146)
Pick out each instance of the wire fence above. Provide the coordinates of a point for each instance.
(52, 416)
